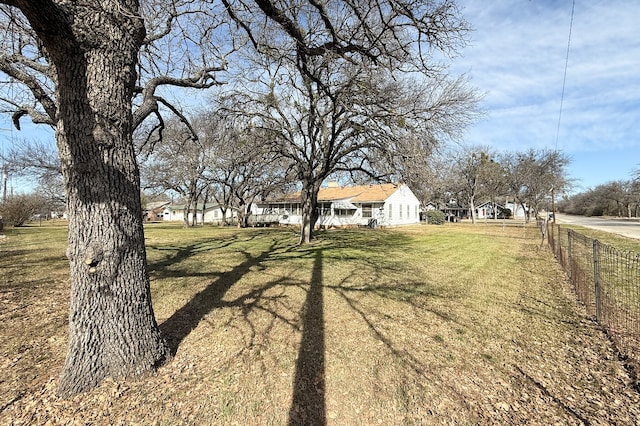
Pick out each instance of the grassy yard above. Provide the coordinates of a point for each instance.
(617, 241)
(451, 324)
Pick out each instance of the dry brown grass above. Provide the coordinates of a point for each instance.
(453, 324)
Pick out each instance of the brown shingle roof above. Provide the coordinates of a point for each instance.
(356, 194)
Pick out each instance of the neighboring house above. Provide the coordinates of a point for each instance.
(429, 206)
(155, 211)
(364, 205)
(485, 210)
(61, 214)
(454, 212)
(212, 213)
(517, 211)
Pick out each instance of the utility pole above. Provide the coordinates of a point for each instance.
(5, 178)
(553, 204)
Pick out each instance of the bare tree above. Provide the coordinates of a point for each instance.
(494, 183)
(437, 179)
(334, 116)
(615, 198)
(244, 167)
(180, 164)
(39, 161)
(227, 162)
(472, 169)
(16, 210)
(534, 175)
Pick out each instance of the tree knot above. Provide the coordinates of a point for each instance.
(93, 256)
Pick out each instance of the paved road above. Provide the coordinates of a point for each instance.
(626, 227)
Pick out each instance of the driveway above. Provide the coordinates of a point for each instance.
(625, 227)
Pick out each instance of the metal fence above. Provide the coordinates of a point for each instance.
(607, 282)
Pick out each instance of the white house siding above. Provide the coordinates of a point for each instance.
(485, 211)
(214, 215)
(402, 207)
(375, 211)
(211, 215)
(517, 212)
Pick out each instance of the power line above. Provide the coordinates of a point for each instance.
(564, 79)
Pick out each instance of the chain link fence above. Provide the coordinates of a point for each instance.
(607, 282)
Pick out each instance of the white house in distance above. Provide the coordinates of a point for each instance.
(364, 205)
(485, 210)
(212, 213)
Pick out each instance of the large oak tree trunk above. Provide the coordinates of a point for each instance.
(472, 207)
(310, 213)
(112, 328)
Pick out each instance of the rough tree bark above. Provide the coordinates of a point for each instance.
(310, 215)
(112, 329)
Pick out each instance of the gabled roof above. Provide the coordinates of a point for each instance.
(157, 205)
(489, 203)
(355, 194)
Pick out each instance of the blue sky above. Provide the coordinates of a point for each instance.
(517, 57)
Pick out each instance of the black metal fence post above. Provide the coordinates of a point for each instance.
(570, 269)
(596, 281)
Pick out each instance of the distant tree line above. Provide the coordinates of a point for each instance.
(619, 198)
(474, 175)
(232, 165)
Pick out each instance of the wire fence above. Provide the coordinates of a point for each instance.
(607, 282)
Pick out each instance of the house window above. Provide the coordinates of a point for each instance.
(342, 212)
(366, 210)
(324, 209)
(390, 211)
(408, 212)
(400, 211)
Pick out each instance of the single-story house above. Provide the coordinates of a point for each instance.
(455, 212)
(517, 211)
(363, 205)
(485, 210)
(212, 213)
(154, 211)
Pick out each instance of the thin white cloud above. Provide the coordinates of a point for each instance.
(517, 56)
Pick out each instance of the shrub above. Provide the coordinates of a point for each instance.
(435, 217)
(18, 209)
(505, 214)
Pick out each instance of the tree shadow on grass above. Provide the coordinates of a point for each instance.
(308, 406)
(165, 268)
(177, 327)
(543, 389)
